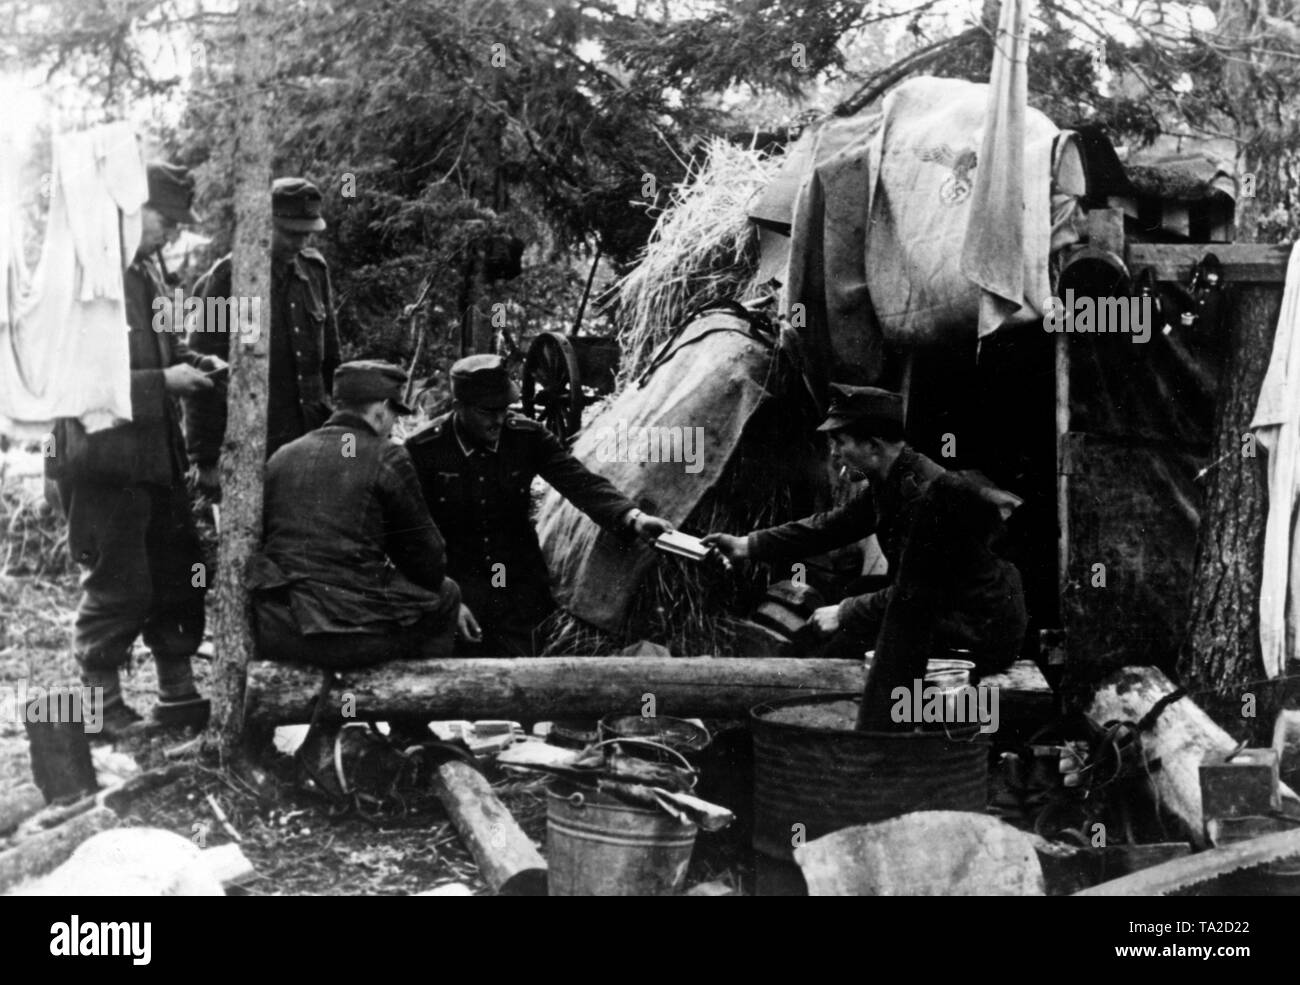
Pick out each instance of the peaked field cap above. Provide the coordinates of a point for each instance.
(171, 191)
(367, 380)
(865, 404)
(483, 381)
(296, 205)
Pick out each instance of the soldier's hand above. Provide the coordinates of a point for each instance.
(183, 379)
(649, 527)
(467, 625)
(728, 546)
(826, 620)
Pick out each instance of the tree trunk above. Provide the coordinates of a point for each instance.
(244, 451)
(1222, 651)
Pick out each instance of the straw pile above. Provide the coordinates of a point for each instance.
(702, 248)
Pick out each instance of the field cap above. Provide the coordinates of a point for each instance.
(364, 381)
(482, 381)
(171, 191)
(868, 405)
(296, 205)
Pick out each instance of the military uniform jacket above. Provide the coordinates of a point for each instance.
(149, 448)
(886, 512)
(480, 501)
(304, 352)
(347, 532)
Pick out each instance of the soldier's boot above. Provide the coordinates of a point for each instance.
(119, 719)
(179, 701)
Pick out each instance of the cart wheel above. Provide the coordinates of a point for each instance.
(552, 391)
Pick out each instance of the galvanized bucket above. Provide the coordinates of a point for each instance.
(599, 846)
(810, 781)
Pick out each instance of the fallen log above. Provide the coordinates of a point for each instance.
(1181, 737)
(41, 852)
(542, 689)
(507, 858)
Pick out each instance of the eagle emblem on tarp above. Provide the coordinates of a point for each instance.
(956, 188)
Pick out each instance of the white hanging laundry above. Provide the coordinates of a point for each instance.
(63, 335)
(1277, 427)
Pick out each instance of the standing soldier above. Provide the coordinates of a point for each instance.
(123, 489)
(476, 467)
(304, 347)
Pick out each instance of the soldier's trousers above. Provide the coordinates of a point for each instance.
(509, 617)
(137, 548)
(279, 637)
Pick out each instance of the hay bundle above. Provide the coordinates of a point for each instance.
(702, 248)
(705, 249)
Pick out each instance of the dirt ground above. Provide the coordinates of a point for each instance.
(299, 843)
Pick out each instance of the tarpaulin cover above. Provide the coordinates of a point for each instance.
(879, 226)
(921, 206)
(713, 380)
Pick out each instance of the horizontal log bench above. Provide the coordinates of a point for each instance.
(551, 688)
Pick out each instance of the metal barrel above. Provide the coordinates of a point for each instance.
(810, 781)
(599, 846)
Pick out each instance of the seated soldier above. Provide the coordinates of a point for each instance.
(352, 570)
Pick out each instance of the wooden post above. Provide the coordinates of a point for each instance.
(244, 451)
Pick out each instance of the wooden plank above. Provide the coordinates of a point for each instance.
(1062, 466)
(1106, 230)
(1254, 263)
(1186, 873)
(1131, 510)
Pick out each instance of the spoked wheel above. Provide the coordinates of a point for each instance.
(552, 391)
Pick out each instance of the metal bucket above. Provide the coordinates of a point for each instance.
(679, 735)
(599, 846)
(811, 780)
(945, 673)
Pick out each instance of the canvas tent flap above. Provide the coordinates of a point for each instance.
(773, 206)
(827, 297)
(921, 209)
(711, 383)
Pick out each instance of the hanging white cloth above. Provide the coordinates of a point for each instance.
(1006, 236)
(63, 336)
(1277, 427)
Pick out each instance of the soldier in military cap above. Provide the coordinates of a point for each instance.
(353, 569)
(476, 466)
(304, 344)
(865, 427)
(123, 489)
